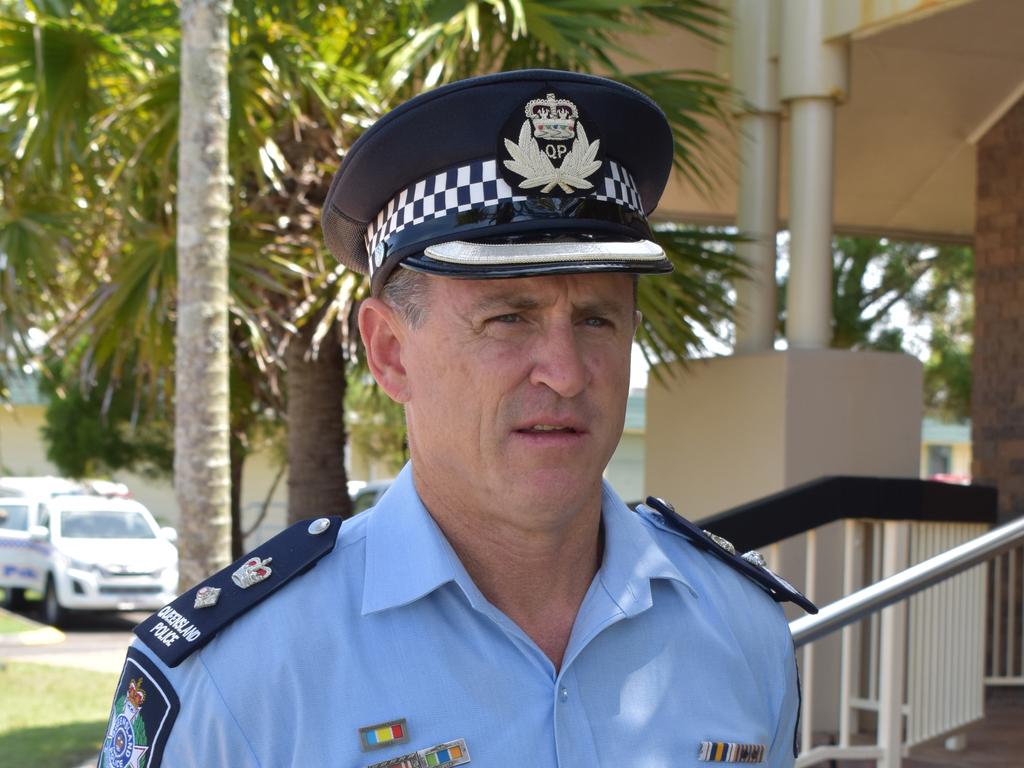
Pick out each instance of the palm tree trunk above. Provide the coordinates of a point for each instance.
(201, 454)
(238, 457)
(317, 481)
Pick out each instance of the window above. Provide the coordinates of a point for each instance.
(14, 517)
(106, 524)
(940, 460)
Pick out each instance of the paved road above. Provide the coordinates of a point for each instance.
(96, 642)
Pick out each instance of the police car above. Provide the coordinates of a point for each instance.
(85, 553)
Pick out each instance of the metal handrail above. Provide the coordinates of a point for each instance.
(864, 602)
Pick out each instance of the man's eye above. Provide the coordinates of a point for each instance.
(597, 322)
(509, 318)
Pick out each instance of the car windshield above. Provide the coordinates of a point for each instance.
(105, 524)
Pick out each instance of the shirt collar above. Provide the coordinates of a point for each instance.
(408, 557)
(632, 557)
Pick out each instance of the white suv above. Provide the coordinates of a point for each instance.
(86, 553)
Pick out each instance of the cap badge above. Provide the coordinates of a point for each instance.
(551, 162)
(252, 571)
(206, 597)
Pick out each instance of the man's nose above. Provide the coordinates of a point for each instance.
(559, 362)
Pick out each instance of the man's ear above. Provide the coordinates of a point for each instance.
(384, 333)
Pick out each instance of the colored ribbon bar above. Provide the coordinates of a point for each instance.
(730, 752)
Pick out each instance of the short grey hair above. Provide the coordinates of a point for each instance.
(405, 291)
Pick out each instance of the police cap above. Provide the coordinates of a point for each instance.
(519, 173)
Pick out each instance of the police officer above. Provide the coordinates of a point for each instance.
(500, 606)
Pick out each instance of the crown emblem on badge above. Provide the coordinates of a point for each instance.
(136, 695)
(553, 119)
(252, 571)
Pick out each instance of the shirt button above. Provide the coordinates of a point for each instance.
(563, 694)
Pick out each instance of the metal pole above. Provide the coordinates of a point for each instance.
(890, 697)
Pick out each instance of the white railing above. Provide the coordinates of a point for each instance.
(946, 630)
(1005, 657)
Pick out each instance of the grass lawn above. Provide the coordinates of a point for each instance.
(52, 716)
(11, 623)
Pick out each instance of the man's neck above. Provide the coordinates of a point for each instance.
(539, 577)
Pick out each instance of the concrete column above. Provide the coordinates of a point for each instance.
(813, 77)
(755, 77)
(809, 296)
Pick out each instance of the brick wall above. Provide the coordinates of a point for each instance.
(997, 404)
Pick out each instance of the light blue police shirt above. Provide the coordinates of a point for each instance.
(670, 649)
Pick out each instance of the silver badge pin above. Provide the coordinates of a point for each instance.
(755, 558)
(207, 597)
(252, 571)
(723, 543)
(319, 526)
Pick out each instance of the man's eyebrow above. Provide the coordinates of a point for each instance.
(521, 302)
(602, 307)
(506, 301)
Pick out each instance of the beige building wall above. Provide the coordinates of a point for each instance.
(728, 430)
(23, 453)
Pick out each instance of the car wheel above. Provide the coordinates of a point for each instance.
(54, 613)
(14, 599)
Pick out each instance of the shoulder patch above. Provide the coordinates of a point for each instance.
(144, 709)
(188, 623)
(780, 590)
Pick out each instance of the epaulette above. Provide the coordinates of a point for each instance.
(750, 564)
(189, 622)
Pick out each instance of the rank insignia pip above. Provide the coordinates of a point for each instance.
(383, 734)
(143, 712)
(206, 597)
(730, 752)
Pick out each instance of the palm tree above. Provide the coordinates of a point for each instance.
(305, 80)
(202, 478)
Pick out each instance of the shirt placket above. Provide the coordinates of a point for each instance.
(575, 746)
(575, 742)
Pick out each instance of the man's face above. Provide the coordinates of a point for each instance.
(516, 389)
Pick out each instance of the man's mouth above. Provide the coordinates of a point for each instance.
(548, 428)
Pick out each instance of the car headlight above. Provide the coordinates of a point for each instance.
(166, 571)
(81, 565)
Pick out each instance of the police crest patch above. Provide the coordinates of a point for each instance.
(549, 152)
(141, 717)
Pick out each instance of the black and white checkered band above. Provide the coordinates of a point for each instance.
(476, 185)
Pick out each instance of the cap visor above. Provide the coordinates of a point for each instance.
(482, 260)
